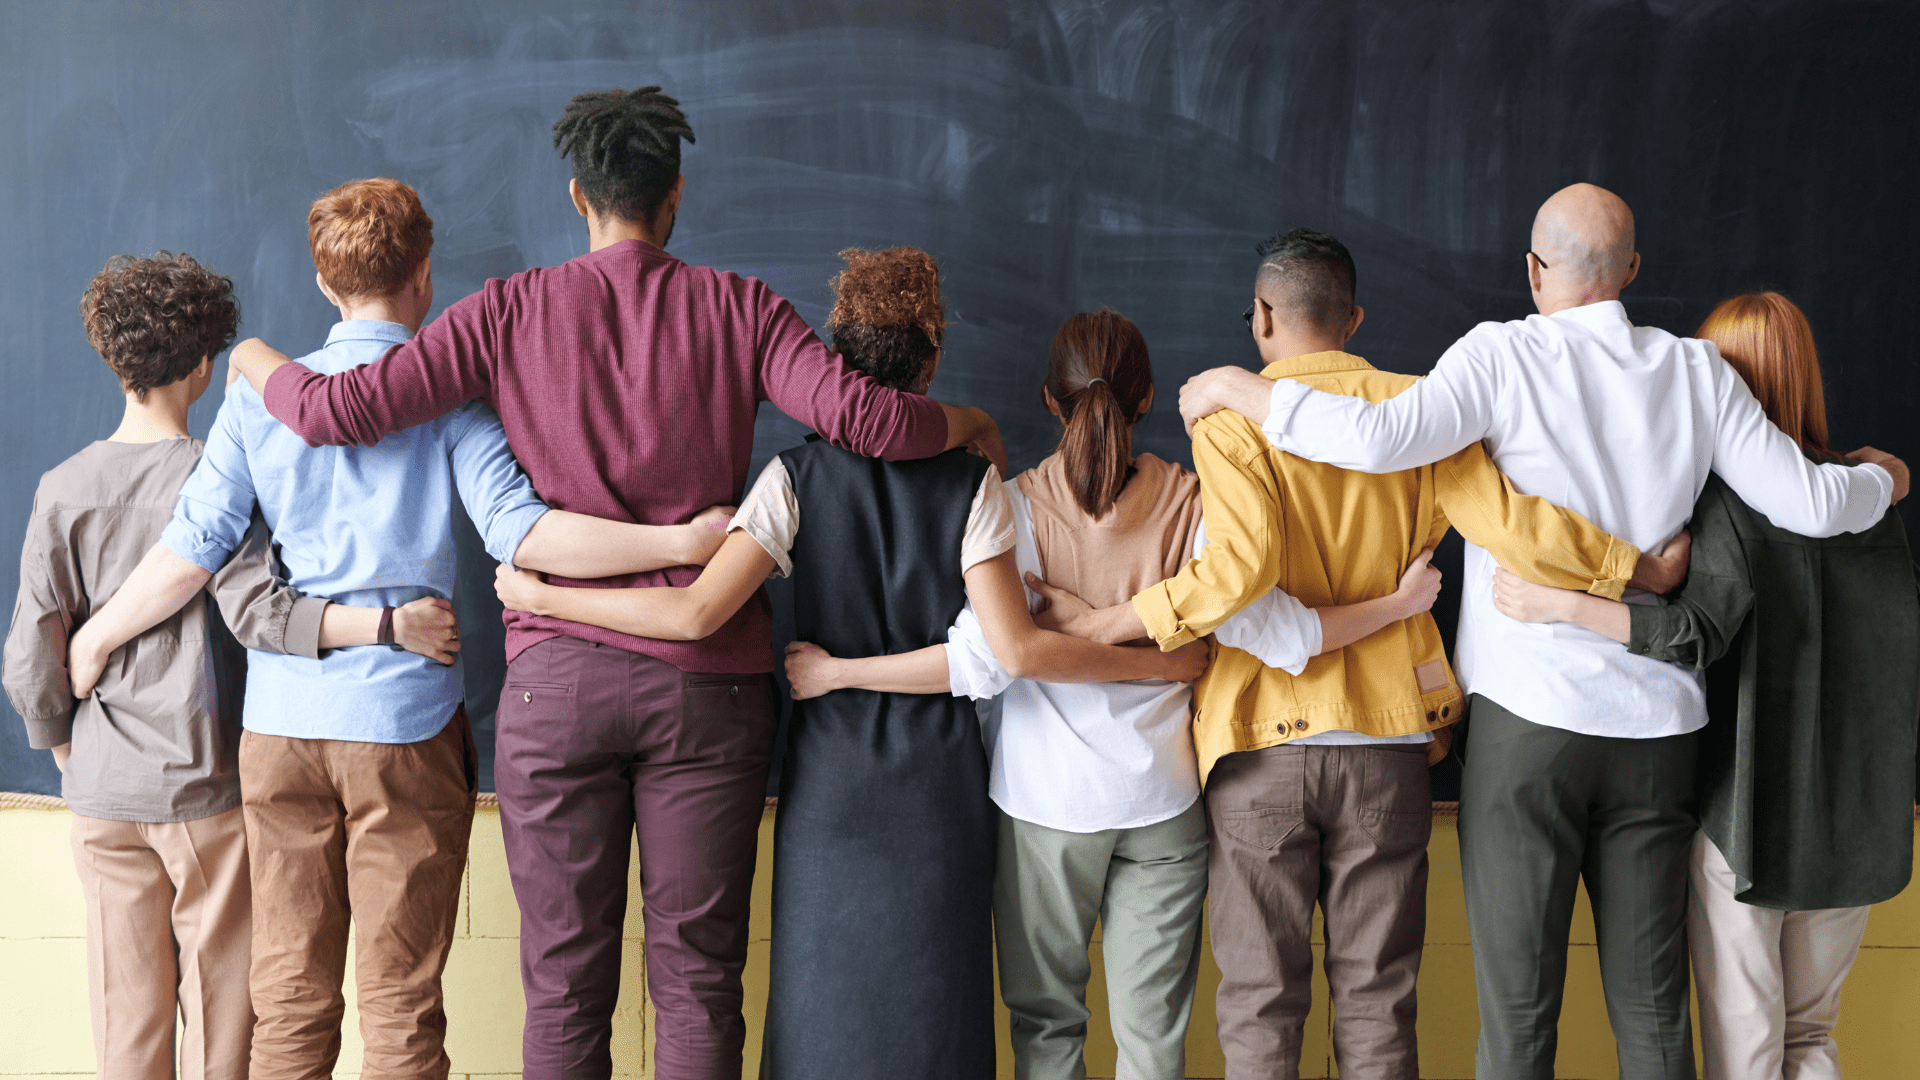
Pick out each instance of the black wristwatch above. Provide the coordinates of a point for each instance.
(385, 634)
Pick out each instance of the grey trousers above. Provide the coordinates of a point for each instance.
(1344, 827)
(1147, 886)
(1541, 809)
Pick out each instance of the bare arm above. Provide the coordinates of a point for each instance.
(1340, 625)
(812, 671)
(159, 586)
(1028, 652)
(1518, 598)
(581, 547)
(664, 614)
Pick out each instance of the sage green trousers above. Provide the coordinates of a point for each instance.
(1147, 887)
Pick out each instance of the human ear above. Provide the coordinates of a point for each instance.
(1047, 399)
(1533, 271)
(579, 198)
(1353, 327)
(1146, 405)
(1633, 270)
(324, 291)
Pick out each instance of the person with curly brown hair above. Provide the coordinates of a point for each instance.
(628, 382)
(148, 759)
(884, 821)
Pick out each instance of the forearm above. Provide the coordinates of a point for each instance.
(664, 614)
(342, 626)
(923, 671)
(1044, 656)
(1116, 625)
(1608, 618)
(583, 548)
(256, 361)
(1345, 624)
(161, 585)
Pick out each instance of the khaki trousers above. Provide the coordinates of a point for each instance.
(1768, 981)
(1343, 826)
(167, 927)
(1146, 886)
(372, 832)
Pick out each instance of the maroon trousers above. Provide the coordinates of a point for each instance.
(592, 742)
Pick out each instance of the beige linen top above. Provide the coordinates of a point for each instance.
(159, 738)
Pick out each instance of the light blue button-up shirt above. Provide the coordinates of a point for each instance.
(369, 526)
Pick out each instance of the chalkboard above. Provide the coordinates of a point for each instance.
(1055, 155)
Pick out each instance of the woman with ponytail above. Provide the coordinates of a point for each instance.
(1805, 770)
(1096, 785)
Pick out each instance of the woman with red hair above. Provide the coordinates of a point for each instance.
(1805, 777)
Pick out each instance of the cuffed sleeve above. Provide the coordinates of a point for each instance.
(771, 515)
(1276, 629)
(497, 494)
(1245, 554)
(819, 389)
(972, 669)
(1700, 623)
(989, 529)
(261, 609)
(34, 667)
(1532, 537)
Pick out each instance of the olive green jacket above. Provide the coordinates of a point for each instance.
(1812, 654)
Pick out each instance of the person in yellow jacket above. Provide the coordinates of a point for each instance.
(1316, 783)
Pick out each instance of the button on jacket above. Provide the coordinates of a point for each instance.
(370, 526)
(1618, 422)
(1327, 536)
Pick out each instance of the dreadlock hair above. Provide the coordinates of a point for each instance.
(1306, 277)
(1100, 376)
(886, 318)
(625, 146)
(153, 320)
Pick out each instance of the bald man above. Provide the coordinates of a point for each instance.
(1580, 761)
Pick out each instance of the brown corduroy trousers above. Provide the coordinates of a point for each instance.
(372, 832)
(167, 917)
(1345, 827)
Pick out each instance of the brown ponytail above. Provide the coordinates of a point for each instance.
(1099, 374)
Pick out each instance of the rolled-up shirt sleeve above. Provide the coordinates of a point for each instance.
(215, 508)
(771, 515)
(1277, 629)
(497, 494)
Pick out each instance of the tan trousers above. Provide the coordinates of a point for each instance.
(167, 928)
(1345, 827)
(377, 833)
(1768, 981)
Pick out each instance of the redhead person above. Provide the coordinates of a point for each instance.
(884, 849)
(1097, 787)
(1805, 776)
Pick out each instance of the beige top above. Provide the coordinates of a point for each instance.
(771, 515)
(159, 738)
(1145, 537)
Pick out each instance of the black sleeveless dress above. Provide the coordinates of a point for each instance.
(884, 841)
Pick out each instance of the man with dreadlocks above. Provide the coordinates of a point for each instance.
(627, 381)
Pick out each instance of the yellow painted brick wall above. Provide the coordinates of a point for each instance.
(44, 1025)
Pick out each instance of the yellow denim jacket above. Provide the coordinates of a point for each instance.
(1329, 536)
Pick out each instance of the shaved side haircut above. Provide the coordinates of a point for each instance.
(1307, 278)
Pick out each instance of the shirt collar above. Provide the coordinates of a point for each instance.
(1596, 316)
(1315, 363)
(368, 330)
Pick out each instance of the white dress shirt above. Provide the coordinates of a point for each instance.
(1083, 757)
(1620, 423)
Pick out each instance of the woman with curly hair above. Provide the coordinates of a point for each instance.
(884, 858)
(1811, 649)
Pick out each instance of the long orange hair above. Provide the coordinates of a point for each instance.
(1767, 339)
